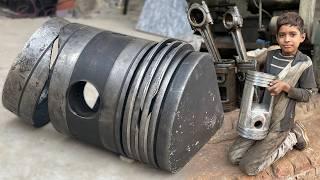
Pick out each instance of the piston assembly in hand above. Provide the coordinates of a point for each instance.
(256, 111)
(158, 103)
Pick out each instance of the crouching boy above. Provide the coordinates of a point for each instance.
(297, 85)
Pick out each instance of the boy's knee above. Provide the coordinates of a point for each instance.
(234, 157)
(238, 150)
(252, 163)
(250, 168)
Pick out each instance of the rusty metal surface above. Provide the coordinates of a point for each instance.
(157, 94)
(61, 75)
(93, 66)
(125, 132)
(129, 116)
(186, 104)
(109, 124)
(23, 90)
(143, 103)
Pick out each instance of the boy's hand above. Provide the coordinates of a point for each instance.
(277, 86)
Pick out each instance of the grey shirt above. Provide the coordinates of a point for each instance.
(302, 91)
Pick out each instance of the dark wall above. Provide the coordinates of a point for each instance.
(31, 8)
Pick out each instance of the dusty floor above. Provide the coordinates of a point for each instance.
(32, 154)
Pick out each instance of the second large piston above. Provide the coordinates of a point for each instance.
(255, 114)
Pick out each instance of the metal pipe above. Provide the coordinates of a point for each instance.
(260, 14)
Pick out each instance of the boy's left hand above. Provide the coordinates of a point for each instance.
(277, 86)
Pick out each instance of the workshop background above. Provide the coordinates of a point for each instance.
(33, 153)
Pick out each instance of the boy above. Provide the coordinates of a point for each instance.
(296, 84)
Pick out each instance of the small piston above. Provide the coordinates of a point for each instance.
(255, 114)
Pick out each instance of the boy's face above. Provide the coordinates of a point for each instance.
(289, 38)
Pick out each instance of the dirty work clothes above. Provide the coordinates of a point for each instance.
(300, 91)
(254, 156)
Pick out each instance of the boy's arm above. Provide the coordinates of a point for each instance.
(306, 86)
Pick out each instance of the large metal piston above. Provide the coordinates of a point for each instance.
(158, 103)
(254, 119)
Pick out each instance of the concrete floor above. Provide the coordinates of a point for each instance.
(32, 154)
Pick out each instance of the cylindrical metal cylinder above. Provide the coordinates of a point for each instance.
(129, 74)
(154, 102)
(254, 118)
(226, 77)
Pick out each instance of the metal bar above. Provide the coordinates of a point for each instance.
(200, 20)
(233, 22)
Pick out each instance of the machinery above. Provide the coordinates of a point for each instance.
(258, 20)
(236, 27)
(254, 116)
(230, 72)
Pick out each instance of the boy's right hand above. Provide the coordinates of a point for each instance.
(277, 86)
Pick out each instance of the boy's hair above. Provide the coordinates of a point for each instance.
(292, 19)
